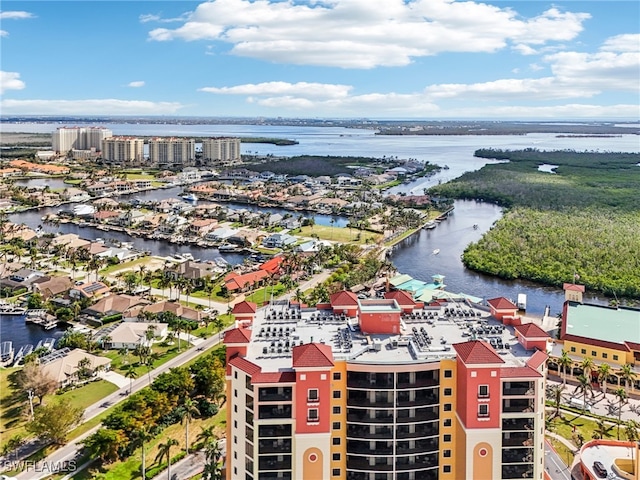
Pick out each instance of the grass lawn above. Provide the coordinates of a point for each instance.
(88, 394)
(130, 468)
(264, 294)
(340, 234)
(139, 176)
(563, 452)
(126, 265)
(166, 352)
(399, 238)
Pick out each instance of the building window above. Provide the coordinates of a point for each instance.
(336, 472)
(336, 425)
(573, 349)
(483, 391)
(594, 353)
(235, 408)
(483, 410)
(447, 438)
(615, 357)
(235, 374)
(312, 395)
(235, 439)
(605, 355)
(312, 415)
(336, 440)
(446, 468)
(446, 453)
(235, 392)
(303, 376)
(448, 373)
(336, 375)
(583, 351)
(336, 457)
(448, 392)
(336, 410)
(235, 424)
(447, 407)
(447, 422)
(336, 394)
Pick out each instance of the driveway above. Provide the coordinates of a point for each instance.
(115, 378)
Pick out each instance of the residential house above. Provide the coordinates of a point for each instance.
(179, 310)
(22, 278)
(114, 304)
(64, 370)
(131, 217)
(89, 290)
(200, 227)
(240, 282)
(99, 188)
(140, 184)
(279, 240)
(220, 234)
(72, 194)
(104, 216)
(194, 271)
(129, 335)
(50, 287)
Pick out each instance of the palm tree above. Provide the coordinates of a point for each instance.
(588, 367)
(143, 436)
(212, 467)
(189, 409)
(632, 430)
(556, 395)
(584, 386)
(131, 374)
(163, 283)
(206, 435)
(628, 375)
(621, 394)
(602, 429)
(604, 370)
(164, 450)
(563, 362)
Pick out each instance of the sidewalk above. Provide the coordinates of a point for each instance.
(186, 468)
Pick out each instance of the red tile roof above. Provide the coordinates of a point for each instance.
(233, 281)
(531, 330)
(344, 299)
(403, 298)
(537, 359)
(273, 265)
(274, 377)
(237, 335)
(477, 352)
(246, 366)
(573, 287)
(244, 307)
(519, 372)
(312, 355)
(502, 303)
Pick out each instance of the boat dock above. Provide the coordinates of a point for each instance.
(40, 317)
(6, 353)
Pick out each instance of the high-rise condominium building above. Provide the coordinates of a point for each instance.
(123, 150)
(220, 151)
(172, 153)
(79, 138)
(381, 389)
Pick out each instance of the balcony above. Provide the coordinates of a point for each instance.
(275, 462)
(275, 394)
(424, 475)
(523, 424)
(517, 439)
(361, 398)
(267, 412)
(420, 399)
(419, 379)
(268, 431)
(417, 462)
(363, 431)
(517, 471)
(369, 416)
(518, 389)
(364, 448)
(370, 381)
(421, 430)
(517, 455)
(274, 476)
(274, 446)
(420, 446)
(515, 405)
(362, 463)
(417, 415)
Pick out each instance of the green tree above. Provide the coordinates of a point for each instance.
(213, 461)
(627, 374)
(189, 409)
(131, 374)
(604, 370)
(584, 387)
(106, 444)
(564, 362)
(556, 396)
(143, 436)
(164, 450)
(52, 422)
(32, 378)
(622, 396)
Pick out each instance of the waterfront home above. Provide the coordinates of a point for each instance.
(189, 174)
(131, 334)
(89, 290)
(68, 369)
(201, 226)
(47, 169)
(50, 287)
(191, 270)
(334, 204)
(279, 240)
(105, 203)
(22, 278)
(131, 217)
(173, 224)
(140, 184)
(241, 282)
(72, 194)
(99, 188)
(312, 246)
(113, 305)
(186, 313)
(12, 230)
(106, 216)
(273, 266)
(221, 233)
(121, 186)
(7, 204)
(10, 172)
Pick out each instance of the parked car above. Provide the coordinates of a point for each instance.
(599, 469)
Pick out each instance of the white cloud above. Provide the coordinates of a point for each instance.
(10, 81)
(89, 107)
(313, 90)
(359, 34)
(4, 33)
(137, 84)
(15, 15)
(151, 17)
(622, 43)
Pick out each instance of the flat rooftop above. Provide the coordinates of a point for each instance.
(615, 325)
(605, 454)
(426, 336)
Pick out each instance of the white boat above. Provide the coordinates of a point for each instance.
(436, 251)
(190, 196)
(522, 301)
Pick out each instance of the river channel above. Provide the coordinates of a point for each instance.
(414, 256)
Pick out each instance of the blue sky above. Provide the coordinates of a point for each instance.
(426, 59)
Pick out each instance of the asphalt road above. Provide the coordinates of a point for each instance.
(553, 464)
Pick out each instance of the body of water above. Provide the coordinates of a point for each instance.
(414, 255)
(13, 328)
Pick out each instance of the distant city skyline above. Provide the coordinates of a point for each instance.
(415, 59)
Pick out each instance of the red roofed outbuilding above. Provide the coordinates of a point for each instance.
(404, 300)
(236, 282)
(532, 337)
(344, 302)
(244, 312)
(503, 307)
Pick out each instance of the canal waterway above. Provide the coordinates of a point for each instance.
(414, 255)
